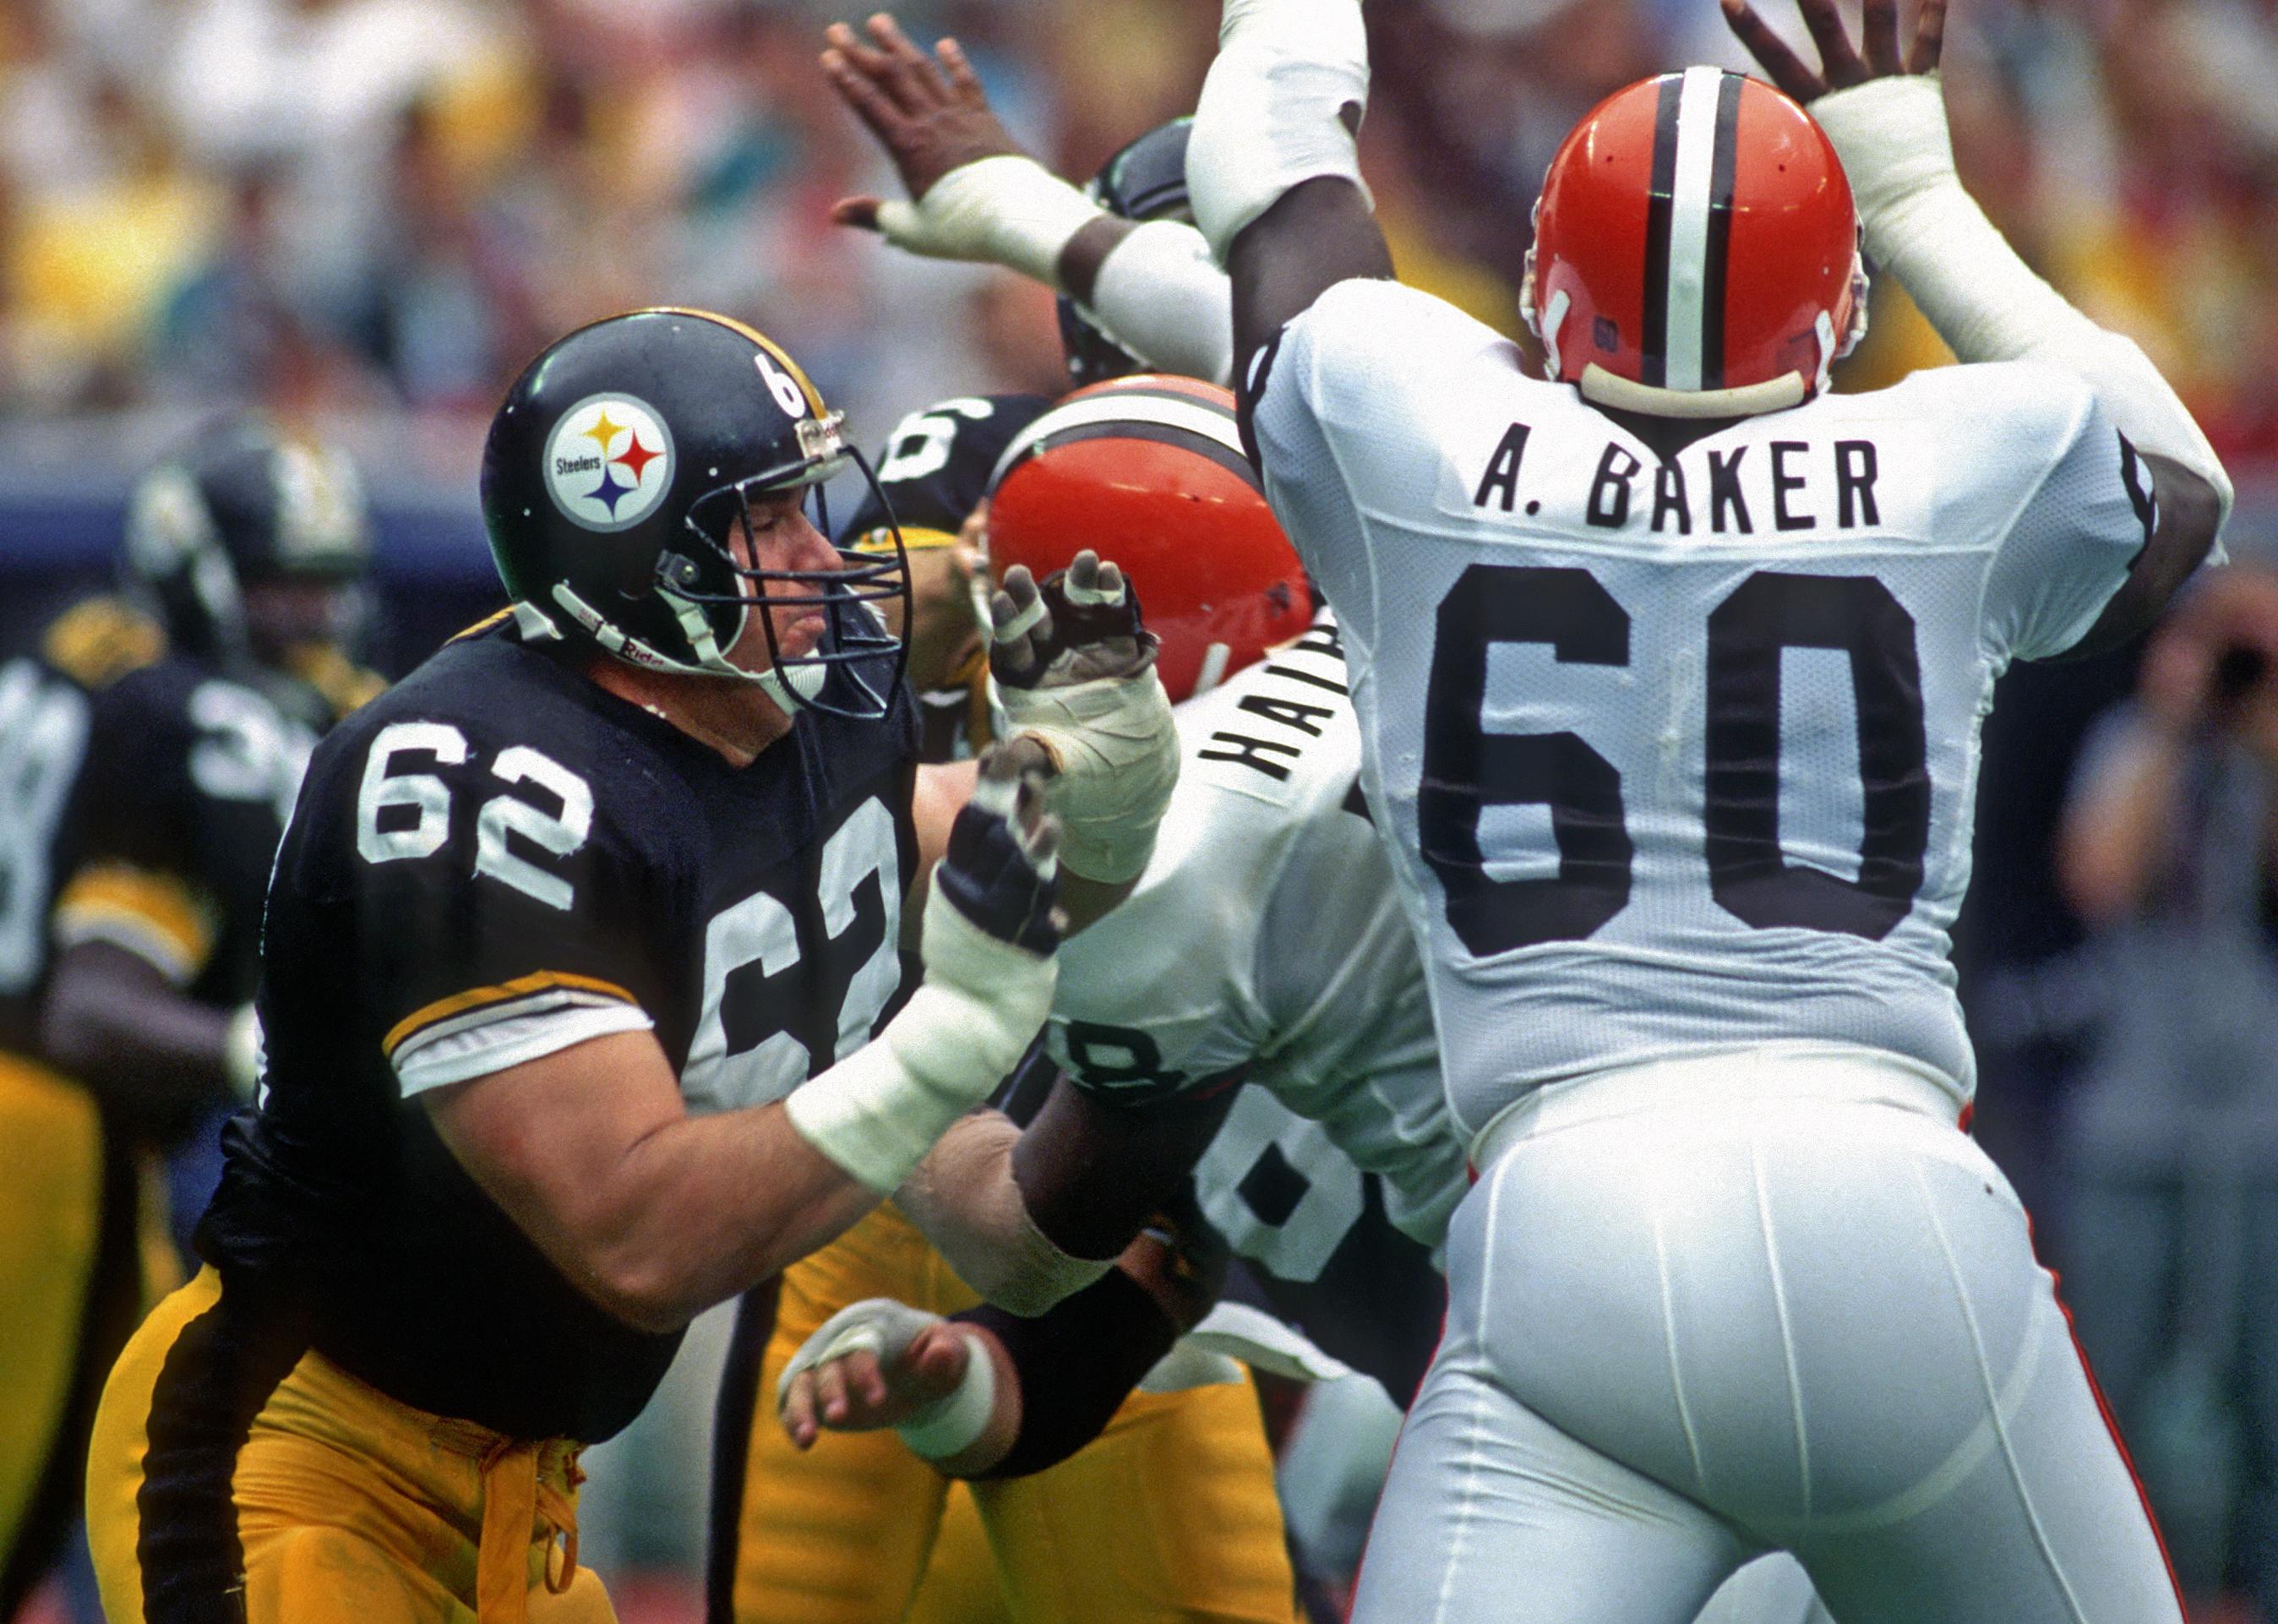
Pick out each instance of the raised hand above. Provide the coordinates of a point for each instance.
(931, 117)
(1002, 865)
(878, 1363)
(1841, 66)
(1082, 625)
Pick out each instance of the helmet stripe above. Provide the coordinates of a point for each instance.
(1691, 202)
(744, 329)
(1143, 414)
(1653, 343)
(1720, 231)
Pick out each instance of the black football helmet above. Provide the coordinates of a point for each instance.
(1145, 180)
(243, 502)
(620, 466)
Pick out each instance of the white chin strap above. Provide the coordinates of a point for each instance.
(788, 690)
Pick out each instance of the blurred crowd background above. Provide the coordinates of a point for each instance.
(368, 214)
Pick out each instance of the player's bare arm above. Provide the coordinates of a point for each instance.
(657, 1213)
(156, 1057)
(934, 120)
(1029, 1216)
(983, 1394)
(975, 194)
(654, 1214)
(1883, 104)
(1273, 169)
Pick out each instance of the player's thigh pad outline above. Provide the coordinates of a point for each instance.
(1818, 1320)
(236, 1475)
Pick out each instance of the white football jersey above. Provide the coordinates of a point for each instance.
(1266, 941)
(1680, 756)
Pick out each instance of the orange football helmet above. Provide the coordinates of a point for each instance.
(1696, 251)
(1149, 471)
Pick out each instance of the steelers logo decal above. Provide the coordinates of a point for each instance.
(608, 462)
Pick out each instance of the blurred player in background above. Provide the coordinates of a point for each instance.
(585, 1004)
(1686, 908)
(150, 753)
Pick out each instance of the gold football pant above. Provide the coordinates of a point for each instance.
(78, 1237)
(1169, 1515)
(235, 1474)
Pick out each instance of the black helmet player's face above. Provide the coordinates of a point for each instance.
(821, 612)
(291, 619)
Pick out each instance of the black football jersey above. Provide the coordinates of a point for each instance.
(937, 465)
(494, 860)
(142, 795)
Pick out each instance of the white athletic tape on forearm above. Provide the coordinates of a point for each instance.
(876, 1112)
(1008, 211)
(1984, 301)
(1268, 116)
(964, 1198)
(1116, 745)
(876, 1325)
(1159, 295)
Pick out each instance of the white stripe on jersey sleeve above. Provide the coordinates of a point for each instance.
(478, 1049)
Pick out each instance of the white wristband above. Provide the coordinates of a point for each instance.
(1269, 116)
(949, 1424)
(876, 1112)
(1008, 211)
(242, 1055)
(1160, 296)
(1982, 299)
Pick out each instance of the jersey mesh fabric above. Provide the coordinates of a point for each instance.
(1552, 634)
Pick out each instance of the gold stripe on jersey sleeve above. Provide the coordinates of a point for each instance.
(482, 625)
(156, 916)
(98, 642)
(521, 986)
(782, 356)
(915, 538)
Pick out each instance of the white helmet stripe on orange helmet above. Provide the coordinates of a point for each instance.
(1689, 230)
(1214, 426)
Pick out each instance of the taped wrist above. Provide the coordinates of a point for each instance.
(949, 1425)
(1009, 211)
(1116, 745)
(876, 1112)
(1268, 118)
(1971, 285)
(1159, 294)
(1077, 1365)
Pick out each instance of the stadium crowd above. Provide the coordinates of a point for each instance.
(371, 213)
(390, 203)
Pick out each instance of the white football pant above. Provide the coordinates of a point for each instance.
(1772, 1300)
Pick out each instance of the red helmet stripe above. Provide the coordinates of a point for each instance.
(1721, 187)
